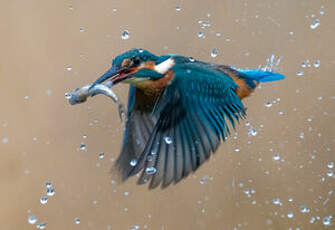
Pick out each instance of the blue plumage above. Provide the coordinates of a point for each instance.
(178, 113)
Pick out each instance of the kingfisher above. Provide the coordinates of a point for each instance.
(179, 110)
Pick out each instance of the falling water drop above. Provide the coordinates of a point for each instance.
(150, 170)
(32, 219)
(214, 52)
(133, 162)
(101, 155)
(168, 140)
(317, 64)
(315, 24)
(44, 200)
(125, 35)
(77, 220)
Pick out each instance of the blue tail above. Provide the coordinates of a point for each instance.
(260, 76)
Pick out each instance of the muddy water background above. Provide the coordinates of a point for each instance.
(41, 134)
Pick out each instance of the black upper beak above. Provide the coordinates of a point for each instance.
(113, 72)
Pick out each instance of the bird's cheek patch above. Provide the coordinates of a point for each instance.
(165, 66)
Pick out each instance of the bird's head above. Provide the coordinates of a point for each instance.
(136, 65)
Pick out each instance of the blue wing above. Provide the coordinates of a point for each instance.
(192, 117)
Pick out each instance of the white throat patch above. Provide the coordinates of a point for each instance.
(163, 67)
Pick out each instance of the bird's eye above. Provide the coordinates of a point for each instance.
(136, 61)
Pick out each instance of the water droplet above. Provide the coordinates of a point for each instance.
(322, 12)
(149, 158)
(125, 35)
(291, 33)
(44, 200)
(276, 157)
(290, 199)
(327, 221)
(68, 68)
(237, 150)
(77, 220)
(48, 184)
(126, 193)
(268, 104)
(178, 8)
(203, 180)
(304, 209)
(70, 7)
(300, 73)
(5, 140)
(330, 165)
(101, 155)
(290, 215)
(50, 192)
(315, 24)
(276, 201)
(168, 140)
(317, 64)
(214, 52)
(302, 135)
(150, 170)
(68, 95)
(81, 29)
(218, 34)
(32, 219)
(133, 162)
(191, 59)
(330, 173)
(82, 146)
(41, 225)
(200, 34)
(252, 132)
(135, 227)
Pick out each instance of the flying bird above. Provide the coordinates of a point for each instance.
(179, 110)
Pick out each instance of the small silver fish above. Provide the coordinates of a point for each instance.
(80, 95)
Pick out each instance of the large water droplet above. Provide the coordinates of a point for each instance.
(68, 68)
(68, 95)
(290, 215)
(327, 221)
(330, 165)
(125, 35)
(168, 140)
(330, 173)
(81, 29)
(178, 8)
(276, 201)
(276, 157)
(41, 225)
(44, 200)
(32, 219)
(77, 220)
(300, 73)
(50, 192)
(252, 132)
(304, 209)
(200, 34)
(101, 155)
(315, 24)
(133, 162)
(317, 64)
(82, 146)
(150, 170)
(268, 104)
(48, 184)
(214, 52)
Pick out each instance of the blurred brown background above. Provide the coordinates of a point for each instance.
(50, 47)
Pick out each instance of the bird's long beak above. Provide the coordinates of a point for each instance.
(115, 74)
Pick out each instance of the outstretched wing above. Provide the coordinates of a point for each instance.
(139, 125)
(193, 114)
